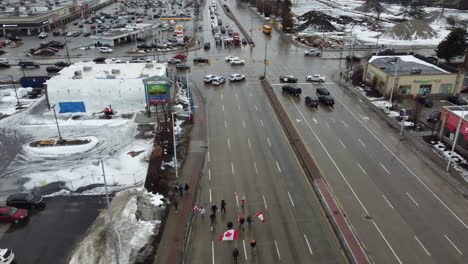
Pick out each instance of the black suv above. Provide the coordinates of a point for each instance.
(200, 60)
(206, 45)
(288, 79)
(425, 101)
(322, 91)
(28, 64)
(312, 101)
(433, 116)
(182, 67)
(25, 200)
(327, 100)
(295, 91)
(456, 100)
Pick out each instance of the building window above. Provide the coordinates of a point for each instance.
(425, 89)
(404, 89)
(446, 88)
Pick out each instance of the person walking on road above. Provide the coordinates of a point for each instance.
(235, 254)
(186, 187)
(241, 223)
(181, 189)
(230, 225)
(176, 205)
(253, 245)
(243, 200)
(249, 220)
(202, 212)
(214, 208)
(212, 219)
(223, 206)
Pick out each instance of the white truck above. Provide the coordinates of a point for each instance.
(312, 52)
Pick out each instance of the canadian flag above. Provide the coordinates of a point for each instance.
(229, 235)
(196, 208)
(260, 216)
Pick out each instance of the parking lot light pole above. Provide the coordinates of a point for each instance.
(18, 104)
(58, 128)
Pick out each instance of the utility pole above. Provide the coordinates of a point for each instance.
(18, 104)
(58, 128)
(455, 138)
(265, 61)
(394, 82)
(188, 94)
(66, 48)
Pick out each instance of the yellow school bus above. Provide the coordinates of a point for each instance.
(266, 29)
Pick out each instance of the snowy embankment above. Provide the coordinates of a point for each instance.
(136, 215)
(49, 151)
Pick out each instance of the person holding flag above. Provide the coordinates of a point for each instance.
(260, 216)
(231, 234)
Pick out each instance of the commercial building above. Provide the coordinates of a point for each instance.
(20, 17)
(411, 75)
(455, 119)
(91, 87)
(129, 33)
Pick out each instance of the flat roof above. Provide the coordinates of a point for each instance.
(404, 65)
(459, 111)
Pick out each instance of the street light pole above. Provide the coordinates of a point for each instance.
(56, 121)
(18, 104)
(109, 210)
(175, 147)
(394, 82)
(265, 61)
(188, 94)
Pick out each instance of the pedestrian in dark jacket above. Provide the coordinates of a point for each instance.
(176, 204)
(186, 187)
(249, 220)
(214, 208)
(223, 206)
(253, 245)
(230, 225)
(181, 189)
(241, 223)
(235, 254)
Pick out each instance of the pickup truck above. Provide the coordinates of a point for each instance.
(312, 52)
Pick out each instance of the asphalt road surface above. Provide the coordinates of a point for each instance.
(400, 209)
(51, 233)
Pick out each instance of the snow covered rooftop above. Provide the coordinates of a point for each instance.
(458, 111)
(404, 65)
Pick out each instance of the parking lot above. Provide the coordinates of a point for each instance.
(51, 233)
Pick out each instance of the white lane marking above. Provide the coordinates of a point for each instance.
(251, 94)
(308, 245)
(243, 123)
(341, 142)
(256, 109)
(328, 125)
(222, 97)
(261, 122)
(384, 168)
(362, 143)
(212, 251)
(255, 166)
(269, 143)
(414, 201)
(223, 108)
(229, 144)
(362, 168)
(209, 156)
(290, 198)
(225, 124)
(333, 120)
(453, 244)
(388, 202)
(346, 125)
(238, 107)
(237, 200)
(277, 250)
(210, 195)
(232, 167)
(404, 165)
(245, 250)
(248, 141)
(315, 120)
(209, 174)
(264, 201)
(349, 185)
(427, 252)
(277, 165)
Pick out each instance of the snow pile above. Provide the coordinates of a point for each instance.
(136, 218)
(457, 159)
(411, 30)
(8, 101)
(62, 150)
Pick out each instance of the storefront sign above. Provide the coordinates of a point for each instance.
(427, 81)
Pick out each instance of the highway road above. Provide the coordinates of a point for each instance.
(249, 155)
(401, 210)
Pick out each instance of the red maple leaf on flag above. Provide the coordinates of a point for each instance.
(228, 234)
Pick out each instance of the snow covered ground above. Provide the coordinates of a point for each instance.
(8, 100)
(392, 33)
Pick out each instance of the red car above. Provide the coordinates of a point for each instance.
(53, 49)
(2, 44)
(180, 57)
(92, 27)
(12, 214)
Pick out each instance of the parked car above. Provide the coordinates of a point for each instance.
(28, 64)
(315, 78)
(182, 67)
(456, 100)
(425, 101)
(180, 57)
(87, 34)
(209, 78)
(464, 89)
(52, 49)
(353, 58)
(200, 60)
(230, 58)
(25, 200)
(4, 60)
(218, 80)
(312, 101)
(236, 77)
(433, 116)
(4, 65)
(327, 100)
(206, 45)
(6, 256)
(386, 51)
(12, 214)
(312, 52)
(43, 35)
(237, 61)
(288, 79)
(322, 91)
(61, 64)
(140, 60)
(99, 60)
(57, 44)
(2, 44)
(56, 33)
(44, 52)
(52, 69)
(105, 50)
(292, 90)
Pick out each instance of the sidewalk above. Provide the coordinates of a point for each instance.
(177, 226)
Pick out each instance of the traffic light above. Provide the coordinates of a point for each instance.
(324, 61)
(209, 62)
(267, 63)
